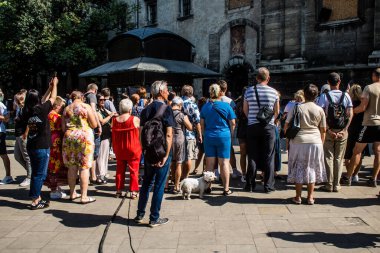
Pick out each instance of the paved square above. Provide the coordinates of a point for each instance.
(348, 221)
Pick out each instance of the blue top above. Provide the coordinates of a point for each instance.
(191, 110)
(215, 125)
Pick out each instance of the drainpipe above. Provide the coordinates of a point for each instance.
(137, 13)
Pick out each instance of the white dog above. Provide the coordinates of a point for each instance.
(189, 185)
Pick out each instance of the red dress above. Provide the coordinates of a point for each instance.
(127, 148)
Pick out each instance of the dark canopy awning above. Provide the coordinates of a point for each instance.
(146, 64)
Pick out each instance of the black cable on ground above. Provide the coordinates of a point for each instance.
(101, 244)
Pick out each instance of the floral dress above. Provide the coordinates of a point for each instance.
(78, 141)
(57, 173)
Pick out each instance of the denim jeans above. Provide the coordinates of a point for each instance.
(39, 160)
(156, 176)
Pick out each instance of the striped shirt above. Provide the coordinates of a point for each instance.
(268, 97)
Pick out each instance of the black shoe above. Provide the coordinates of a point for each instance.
(208, 190)
(158, 222)
(248, 187)
(346, 181)
(139, 219)
(371, 182)
(269, 190)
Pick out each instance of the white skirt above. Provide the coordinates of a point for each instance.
(306, 164)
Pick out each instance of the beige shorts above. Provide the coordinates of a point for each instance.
(191, 150)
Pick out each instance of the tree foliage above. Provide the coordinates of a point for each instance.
(42, 35)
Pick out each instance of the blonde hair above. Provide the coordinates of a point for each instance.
(141, 92)
(214, 91)
(135, 98)
(59, 101)
(299, 96)
(355, 92)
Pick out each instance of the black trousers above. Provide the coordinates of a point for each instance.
(261, 153)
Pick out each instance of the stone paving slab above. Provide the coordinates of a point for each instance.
(348, 221)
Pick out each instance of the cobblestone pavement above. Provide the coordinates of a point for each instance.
(348, 221)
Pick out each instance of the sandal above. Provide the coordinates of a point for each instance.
(89, 200)
(118, 195)
(226, 193)
(297, 201)
(134, 195)
(77, 196)
(176, 191)
(40, 205)
(310, 201)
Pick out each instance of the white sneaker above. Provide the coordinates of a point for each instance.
(57, 195)
(243, 180)
(25, 183)
(7, 180)
(355, 179)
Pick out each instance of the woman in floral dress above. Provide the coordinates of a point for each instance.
(78, 144)
(57, 173)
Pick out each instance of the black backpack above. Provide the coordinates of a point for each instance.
(153, 138)
(336, 113)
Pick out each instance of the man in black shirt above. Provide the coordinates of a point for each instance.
(156, 173)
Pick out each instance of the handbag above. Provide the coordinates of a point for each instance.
(294, 124)
(265, 114)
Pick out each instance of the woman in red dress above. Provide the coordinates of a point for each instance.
(57, 173)
(127, 148)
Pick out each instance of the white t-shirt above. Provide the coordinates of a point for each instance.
(229, 101)
(289, 106)
(335, 96)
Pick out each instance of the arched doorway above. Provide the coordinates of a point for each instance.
(237, 73)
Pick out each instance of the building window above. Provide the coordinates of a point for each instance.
(185, 8)
(335, 10)
(236, 4)
(151, 12)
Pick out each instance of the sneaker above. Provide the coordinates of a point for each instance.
(158, 222)
(235, 173)
(25, 183)
(57, 195)
(243, 180)
(355, 179)
(325, 188)
(7, 180)
(139, 219)
(371, 182)
(346, 181)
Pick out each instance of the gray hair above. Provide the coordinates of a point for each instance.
(177, 101)
(125, 105)
(156, 87)
(214, 91)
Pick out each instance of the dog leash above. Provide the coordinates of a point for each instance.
(101, 244)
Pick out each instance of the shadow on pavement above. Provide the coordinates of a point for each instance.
(344, 241)
(87, 220)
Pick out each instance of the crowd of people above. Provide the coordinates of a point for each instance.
(69, 141)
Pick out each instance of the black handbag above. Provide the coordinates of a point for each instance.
(265, 114)
(294, 124)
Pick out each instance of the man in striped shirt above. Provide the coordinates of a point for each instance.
(261, 137)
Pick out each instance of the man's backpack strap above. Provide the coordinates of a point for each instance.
(160, 112)
(329, 98)
(342, 98)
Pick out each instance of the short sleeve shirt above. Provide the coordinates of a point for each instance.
(3, 112)
(229, 101)
(267, 96)
(149, 112)
(289, 106)
(335, 96)
(39, 136)
(90, 98)
(372, 113)
(312, 118)
(191, 110)
(215, 125)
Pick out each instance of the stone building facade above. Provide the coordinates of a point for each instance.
(300, 41)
